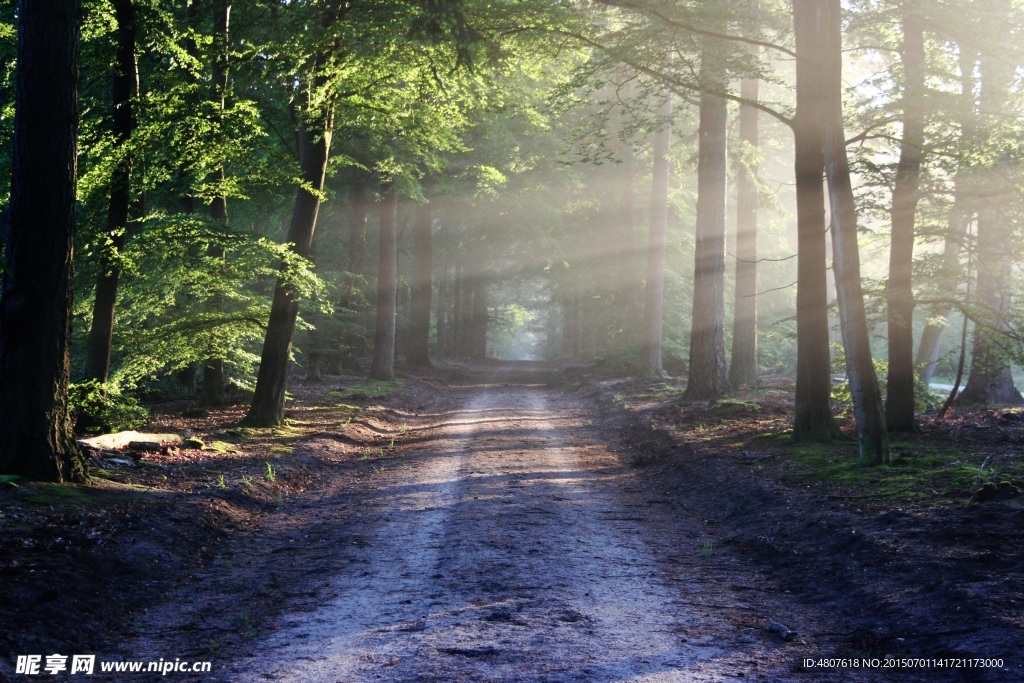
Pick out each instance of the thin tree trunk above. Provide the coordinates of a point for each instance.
(708, 379)
(442, 320)
(631, 299)
(387, 288)
(478, 333)
(36, 440)
(743, 369)
(654, 291)
(867, 396)
(813, 420)
(958, 223)
(900, 400)
(314, 139)
(101, 334)
(422, 287)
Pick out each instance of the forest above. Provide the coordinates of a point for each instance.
(219, 217)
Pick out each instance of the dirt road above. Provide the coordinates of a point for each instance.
(509, 543)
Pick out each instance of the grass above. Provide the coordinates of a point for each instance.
(50, 494)
(917, 473)
(221, 447)
(367, 387)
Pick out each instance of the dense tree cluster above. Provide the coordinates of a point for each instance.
(726, 190)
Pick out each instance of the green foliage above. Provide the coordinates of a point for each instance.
(98, 408)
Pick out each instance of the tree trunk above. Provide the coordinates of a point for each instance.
(958, 223)
(708, 378)
(213, 369)
(860, 369)
(101, 334)
(478, 330)
(387, 288)
(813, 420)
(314, 140)
(743, 366)
(422, 287)
(442, 296)
(990, 381)
(654, 292)
(36, 440)
(900, 401)
(631, 299)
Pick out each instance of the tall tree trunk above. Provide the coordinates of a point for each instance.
(314, 141)
(708, 378)
(630, 263)
(442, 296)
(990, 381)
(478, 332)
(900, 403)
(813, 420)
(654, 291)
(867, 396)
(960, 216)
(387, 288)
(101, 334)
(422, 287)
(458, 312)
(213, 369)
(36, 440)
(743, 365)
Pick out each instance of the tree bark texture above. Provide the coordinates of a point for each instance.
(813, 420)
(314, 141)
(36, 439)
(654, 291)
(422, 286)
(101, 333)
(708, 379)
(900, 401)
(383, 367)
(860, 369)
(743, 360)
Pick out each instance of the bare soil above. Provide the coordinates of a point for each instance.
(502, 523)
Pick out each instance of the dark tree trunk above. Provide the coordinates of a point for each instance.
(708, 378)
(990, 381)
(458, 315)
(213, 369)
(743, 366)
(314, 140)
(36, 440)
(867, 396)
(101, 334)
(422, 287)
(900, 402)
(442, 296)
(387, 288)
(813, 420)
(654, 291)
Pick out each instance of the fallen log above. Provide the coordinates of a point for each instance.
(106, 442)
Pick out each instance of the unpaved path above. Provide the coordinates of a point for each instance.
(509, 545)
